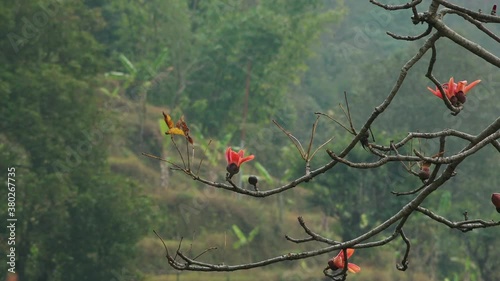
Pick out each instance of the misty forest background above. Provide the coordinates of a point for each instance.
(82, 88)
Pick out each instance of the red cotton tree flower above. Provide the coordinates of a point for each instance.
(495, 199)
(234, 160)
(455, 91)
(338, 262)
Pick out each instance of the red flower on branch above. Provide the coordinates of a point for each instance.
(455, 91)
(338, 262)
(235, 159)
(495, 199)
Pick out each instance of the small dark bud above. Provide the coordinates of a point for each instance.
(495, 199)
(253, 180)
(461, 97)
(232, 169)
(331, 265)
(364, 139)
(424, 174)
(454, 101)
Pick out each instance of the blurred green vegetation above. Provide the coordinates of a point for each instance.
(83, 85)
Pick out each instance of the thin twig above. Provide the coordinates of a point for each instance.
(294, 140)
(333, 119)
(463, 226)
(475, 15)
(180, 154)
(178, 248)
(349, 117)
(398, 193)
(205, 251)
(164, 245)
(161, 159)
(298, 241)
(319, 147)
(313, 132)
(204, 155)
(477, 23)
(187, 153)
(413, 3)
(404, 262)
(411, 38)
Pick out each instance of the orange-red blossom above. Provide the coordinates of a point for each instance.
(495, 199)
(455, 91)
(235, 159)
(338, 262)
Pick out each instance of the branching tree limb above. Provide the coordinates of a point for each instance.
(385, 153)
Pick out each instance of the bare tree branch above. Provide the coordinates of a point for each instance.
(397, 7)
(477, 23)
(478, 16)
(404, 263)
(473, 47)
(411, 38)
(463, 226)
(445, 167)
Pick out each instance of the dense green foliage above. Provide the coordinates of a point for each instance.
(83, 84)
(77, 221)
